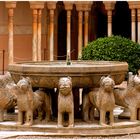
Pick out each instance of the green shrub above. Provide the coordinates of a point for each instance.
(114, 48)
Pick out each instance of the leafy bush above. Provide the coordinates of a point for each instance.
(114, 48)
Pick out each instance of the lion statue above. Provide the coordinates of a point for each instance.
(28, 101)
(8, 98)
(130, 97)
(65, 101)
(101, 99)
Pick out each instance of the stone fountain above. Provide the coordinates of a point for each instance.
(83, 73)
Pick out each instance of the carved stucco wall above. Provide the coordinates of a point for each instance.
(22, 31)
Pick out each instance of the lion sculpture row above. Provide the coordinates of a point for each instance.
(103, 99)
(29, 101)
(22, 95)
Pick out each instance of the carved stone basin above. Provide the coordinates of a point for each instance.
(83, 73)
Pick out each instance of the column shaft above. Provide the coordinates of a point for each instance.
(69, 33)
(138, 15)
(10, 42)
(86, 14)
(34, 47)
(39, 35)
(51, 35)
(109, 16)
(133, 24)
(80, 34)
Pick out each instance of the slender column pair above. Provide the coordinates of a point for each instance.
(80, 31)
(36, 48)
(135, 10)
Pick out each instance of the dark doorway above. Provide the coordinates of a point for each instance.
(122, 19)
(62, 29)
(74, 34)
(98, 21)
(101, 20)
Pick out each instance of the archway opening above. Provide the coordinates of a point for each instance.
(98, 21)
(121, 22)
(62, 32)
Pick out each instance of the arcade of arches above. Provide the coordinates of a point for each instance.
(52, 30)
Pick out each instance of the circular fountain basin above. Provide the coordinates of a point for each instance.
(83, 73)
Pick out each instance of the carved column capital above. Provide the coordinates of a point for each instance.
(10, 4)
(68, 5)
(109, 5)
(51, 5)
(83, 5)
(134, 4)
(36, 4)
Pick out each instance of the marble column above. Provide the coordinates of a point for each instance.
(109, 22)
(86, 15)
(80, 33)
(10, 6)
(69, 33)
(82, 6)
(68, 8)
(138, 24)
(51, 35)
(34, 40)
(11, 31)
(133, 24)
(109, 6)
(51, 6)
(39, 35)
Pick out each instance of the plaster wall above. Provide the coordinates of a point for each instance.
(22, 32)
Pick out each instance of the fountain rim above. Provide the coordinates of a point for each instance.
(59, 66)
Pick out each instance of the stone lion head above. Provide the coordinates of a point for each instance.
(24, 83)
(107, 83)
(65, 85)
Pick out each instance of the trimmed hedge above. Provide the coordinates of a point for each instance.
(114, 48)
